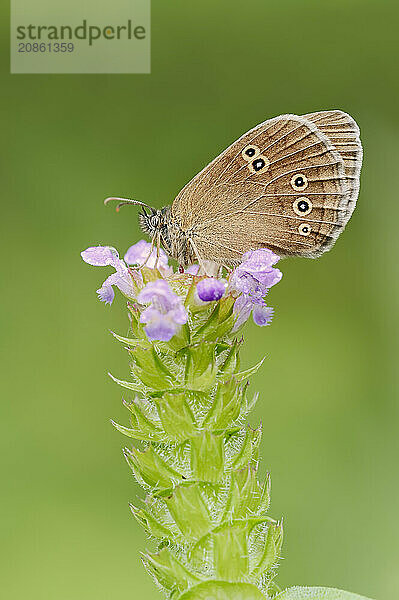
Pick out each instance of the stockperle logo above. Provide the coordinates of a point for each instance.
(60, 39)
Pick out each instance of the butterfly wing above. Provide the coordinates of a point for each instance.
(343, 133)
(290, 184)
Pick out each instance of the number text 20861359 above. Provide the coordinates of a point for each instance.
(46, 47)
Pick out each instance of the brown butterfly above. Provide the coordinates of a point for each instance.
(289, 184)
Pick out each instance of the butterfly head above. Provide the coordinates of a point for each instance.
(151, 220)
(154, 222)
(157, 225)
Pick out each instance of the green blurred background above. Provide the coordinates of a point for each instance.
(328, 388)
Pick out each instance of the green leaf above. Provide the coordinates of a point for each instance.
(271, 550)
(179, 340)
(151, 468)
(248, 406)
(207, 457)
(230, 549)
(226, 405)
(201, 370)
(129, 385)
(187, 507)
(249, 448)
(317, 593)
(209, 327)
(231, 362)
(135, 325)
(176, 416)
(226, 307)
(168, 571)
(129, 341)
(219, 323)
(222, 590)
(251, 371)
(140, 421)
(151, 525)
(224, 327)
(150, 369)
(139, 434)
(246, 497)
(217, 536)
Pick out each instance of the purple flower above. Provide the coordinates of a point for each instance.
(192, 269)
(262, 315)
(255, 275)
(210, 289)
(102, 256)
(165, 313)
(253, 278)
(141, 253)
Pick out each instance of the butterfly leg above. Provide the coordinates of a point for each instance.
(158, 246)
(149, 254)
(207, 267)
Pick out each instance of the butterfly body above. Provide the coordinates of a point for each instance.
(289, 184)
(175, 240)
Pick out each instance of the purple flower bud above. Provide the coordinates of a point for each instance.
(211, 289)
(102, 256)
(165, 313)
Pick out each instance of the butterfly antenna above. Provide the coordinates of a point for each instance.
(124, 201)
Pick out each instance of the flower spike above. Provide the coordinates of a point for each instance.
(205, 511)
